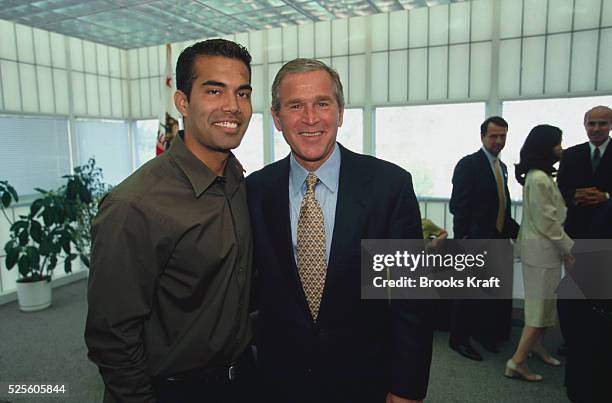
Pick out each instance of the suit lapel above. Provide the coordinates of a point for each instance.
(605, 163)
(350, 210)
(276, 216)
(585, 157)
(485, 166)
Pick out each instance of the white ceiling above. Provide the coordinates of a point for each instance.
(138, 23)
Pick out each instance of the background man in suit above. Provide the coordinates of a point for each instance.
(317, 340)
(480, 204)
(585, 181)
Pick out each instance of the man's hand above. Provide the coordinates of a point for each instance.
(568, 261)
(437, 242)
(391, 398)
(589, 196)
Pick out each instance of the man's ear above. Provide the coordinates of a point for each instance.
(181, 102)
(340, 117)
(276, 120)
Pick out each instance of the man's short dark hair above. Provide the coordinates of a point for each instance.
(211, 47)
(496, 120)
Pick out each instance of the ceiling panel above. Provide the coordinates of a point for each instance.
(131, 24)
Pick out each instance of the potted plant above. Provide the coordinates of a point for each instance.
(55, 229)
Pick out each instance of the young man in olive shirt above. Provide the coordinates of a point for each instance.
(170, 274)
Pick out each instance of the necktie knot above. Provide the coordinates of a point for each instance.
(311, 181)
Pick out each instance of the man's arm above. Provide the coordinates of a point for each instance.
(412, 332)
(122, 281)
(461, 199)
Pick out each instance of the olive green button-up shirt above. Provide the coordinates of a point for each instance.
(170, 274)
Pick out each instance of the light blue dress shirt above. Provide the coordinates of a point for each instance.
(492, 158)
(326, 193)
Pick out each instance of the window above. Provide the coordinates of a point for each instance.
(522, 116)
(428, 141)
(250, 151)
(35, 152)
(145, 140)
(350, 134)
(107, 141)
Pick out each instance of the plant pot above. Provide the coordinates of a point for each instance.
(34, 296)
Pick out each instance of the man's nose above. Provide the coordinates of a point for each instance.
(231, 104)
(310, 115)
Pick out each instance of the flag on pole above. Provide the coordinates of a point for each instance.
(168, 125)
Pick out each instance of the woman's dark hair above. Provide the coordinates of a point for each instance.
(537, 152)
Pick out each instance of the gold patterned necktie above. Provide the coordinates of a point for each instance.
(501, 207)
(311, 247)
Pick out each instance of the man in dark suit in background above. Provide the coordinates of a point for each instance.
(480, 204)
(585, 181)
(317, 340)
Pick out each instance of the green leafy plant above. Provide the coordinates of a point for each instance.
(7, 195)
(57, 226)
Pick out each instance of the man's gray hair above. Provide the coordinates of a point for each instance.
(305, 66)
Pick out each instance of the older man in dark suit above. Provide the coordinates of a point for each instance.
(480, 204)
(317, 340)
(585, 181)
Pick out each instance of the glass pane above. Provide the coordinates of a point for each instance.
(250, 151)
(380, 32)
(398, 76)
(323, 39)
(557, 63)
(449, 131)
(357, 34)
(339, 37)
(281, 148)
(350, 134)
(290, 43)
(145, 139)
(584, 55)
(27, 76)
(533, 65)
(535, 17)
(459, 73)
(45, 144)
(107, 141)
(438, 65)
(438, 25)
(398, 25)
(306, 40)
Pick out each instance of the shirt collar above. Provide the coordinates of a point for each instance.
(602, 147)
(328, 173)
(198, 174)
(490, 156)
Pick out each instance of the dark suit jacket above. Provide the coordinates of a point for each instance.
(575, 172)
(356, 345)
(474, 200)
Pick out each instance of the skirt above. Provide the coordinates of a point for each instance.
(540, 299)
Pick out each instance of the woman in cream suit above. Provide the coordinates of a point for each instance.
(543, 243)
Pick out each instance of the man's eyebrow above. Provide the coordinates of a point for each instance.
(223, 85)
(214, 83)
